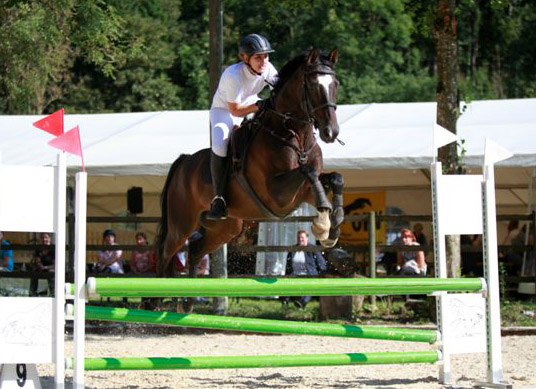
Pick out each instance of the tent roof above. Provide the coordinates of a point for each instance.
(399, 135)
(376, 136)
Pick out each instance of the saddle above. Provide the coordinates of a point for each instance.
(241, 138)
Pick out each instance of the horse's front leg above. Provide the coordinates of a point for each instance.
(288, 184)
(334, 182)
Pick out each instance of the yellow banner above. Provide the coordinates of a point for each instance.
(361, 204)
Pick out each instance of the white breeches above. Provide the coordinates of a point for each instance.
(222, 123)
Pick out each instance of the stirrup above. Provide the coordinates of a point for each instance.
(218, 209)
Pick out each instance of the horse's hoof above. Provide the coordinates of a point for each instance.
(321, 226)
(329, 243)
(185, 306)
(319, 233)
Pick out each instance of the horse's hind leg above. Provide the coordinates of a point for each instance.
(335, 182)
(172, 244)
(215, 234)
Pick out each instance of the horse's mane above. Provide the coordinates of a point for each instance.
(288, 70)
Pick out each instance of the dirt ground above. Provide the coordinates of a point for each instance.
(519, 361)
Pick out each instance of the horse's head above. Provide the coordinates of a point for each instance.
(307, 92)
(320, 91)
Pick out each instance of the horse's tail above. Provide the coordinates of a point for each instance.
(162, 230)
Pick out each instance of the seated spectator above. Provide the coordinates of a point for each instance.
(6, 256)
(419, 235)
(45, 259)
(513, 232)
(143, 261)
(472, 265)
(110, 261)
(303, 263)
(410, 262)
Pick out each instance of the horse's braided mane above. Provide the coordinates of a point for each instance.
(288, 70)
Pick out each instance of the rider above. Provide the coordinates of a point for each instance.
(235, 98)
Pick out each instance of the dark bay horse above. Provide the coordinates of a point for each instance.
(281, 169)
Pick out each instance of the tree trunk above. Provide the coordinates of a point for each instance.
(218, 265)
(447, 104)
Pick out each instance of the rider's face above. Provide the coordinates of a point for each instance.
(258, 62)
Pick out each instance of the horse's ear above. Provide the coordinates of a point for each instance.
(313, 56)
(334, 56)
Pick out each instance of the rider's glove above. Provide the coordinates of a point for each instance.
(263, 104)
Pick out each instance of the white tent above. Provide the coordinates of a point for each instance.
(387, 146)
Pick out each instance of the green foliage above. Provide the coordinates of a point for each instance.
(122, 56)
(41, 41)
(518, 314)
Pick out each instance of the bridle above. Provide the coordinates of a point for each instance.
(306, 99)
(306, 95)
(309, 109)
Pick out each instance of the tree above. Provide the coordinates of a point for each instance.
(445, 36)
(41, 40)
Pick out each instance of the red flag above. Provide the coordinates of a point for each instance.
(52, 124)
(69, 142)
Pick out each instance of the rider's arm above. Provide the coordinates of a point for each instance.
(239, 110)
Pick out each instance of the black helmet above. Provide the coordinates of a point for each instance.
(255, 44)
(107, 232)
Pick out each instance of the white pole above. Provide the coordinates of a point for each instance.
(440, 255)
(491, 268)
(59, 284)
(80, 278)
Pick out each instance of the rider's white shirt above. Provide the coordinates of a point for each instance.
(239, 85)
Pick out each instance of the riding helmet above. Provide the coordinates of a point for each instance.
(255, 44)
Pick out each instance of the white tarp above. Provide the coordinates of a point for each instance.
(377, 136)
(387, 147)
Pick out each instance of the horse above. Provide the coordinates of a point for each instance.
(281, 167)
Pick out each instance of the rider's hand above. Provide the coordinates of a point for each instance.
(263, 104)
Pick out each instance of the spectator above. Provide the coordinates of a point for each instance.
(303, 263)
(472, 260)
(513, 232)
(44, 261)
(143, 261)
(110, 261)
(6, 256)
(410, 262)
(419, 235)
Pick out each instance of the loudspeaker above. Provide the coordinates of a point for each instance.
(135, 200)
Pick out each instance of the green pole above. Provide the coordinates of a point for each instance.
(236, 287)
(258, 325)
(260, 361)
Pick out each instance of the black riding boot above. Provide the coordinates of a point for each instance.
(218, 207)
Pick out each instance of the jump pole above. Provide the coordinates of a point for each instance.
(259, 325)
(262, 361)
(254, 287)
